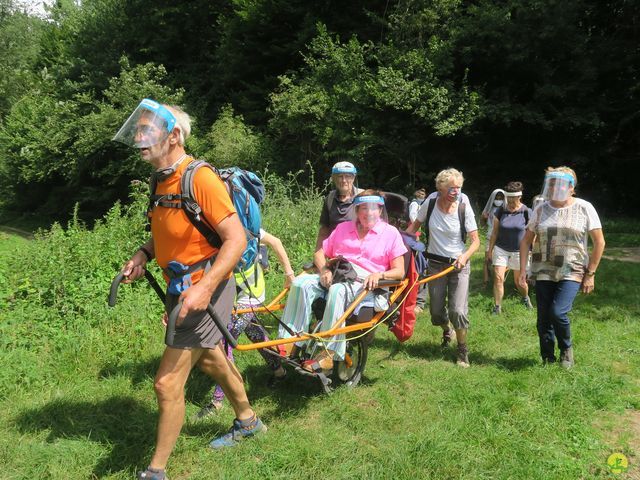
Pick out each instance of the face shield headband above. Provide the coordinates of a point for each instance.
(344, 167)
(557, 186)
(368, 210)
(149, 124)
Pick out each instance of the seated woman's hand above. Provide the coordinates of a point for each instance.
(326, 278)
(371, 282)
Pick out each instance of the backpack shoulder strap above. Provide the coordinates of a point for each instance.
(499, 212)
(190, 206)
(330, 199)
(462, 210)
(430, 206)
(153, 184)
(526, 216)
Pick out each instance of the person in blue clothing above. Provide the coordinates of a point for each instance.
(509, 223)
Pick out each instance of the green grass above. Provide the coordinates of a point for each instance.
(76, 395)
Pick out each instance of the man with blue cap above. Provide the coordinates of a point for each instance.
(338, 201)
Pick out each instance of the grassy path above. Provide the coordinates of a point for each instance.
(80, 404)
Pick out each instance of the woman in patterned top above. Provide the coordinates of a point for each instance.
(560, 261)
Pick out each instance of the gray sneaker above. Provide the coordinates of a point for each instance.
(526, 301)
(497, 310)
(566, 358)
(237, 433)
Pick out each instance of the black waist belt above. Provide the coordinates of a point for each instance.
(440, 258)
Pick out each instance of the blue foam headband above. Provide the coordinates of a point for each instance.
(351, 170)
(161, 111)
(561, 175)
(368, 199)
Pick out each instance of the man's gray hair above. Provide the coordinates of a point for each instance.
(183, 122)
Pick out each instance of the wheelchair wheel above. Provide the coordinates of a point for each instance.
(349, 371)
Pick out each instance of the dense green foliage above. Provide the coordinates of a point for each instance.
(498, 89)
(76, 393)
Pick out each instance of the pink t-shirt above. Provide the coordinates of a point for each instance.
(374, 252)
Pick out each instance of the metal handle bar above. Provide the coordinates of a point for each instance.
(117, 280)
(113, 291)
(171, 322)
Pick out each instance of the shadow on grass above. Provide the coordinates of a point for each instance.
(432, 351)
(121, 424)
(137, 371)
(291, 395)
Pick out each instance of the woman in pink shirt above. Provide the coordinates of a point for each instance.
(375, 250)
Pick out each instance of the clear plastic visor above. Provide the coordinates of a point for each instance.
(557, 187)
(149, 124)
(368, 213)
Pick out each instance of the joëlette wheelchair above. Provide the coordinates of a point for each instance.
(358, 329)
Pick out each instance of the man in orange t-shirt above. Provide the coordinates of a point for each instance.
(158, 132)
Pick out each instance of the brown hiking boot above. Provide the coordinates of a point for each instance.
(566, 358)
(447, 337)
(463, 356)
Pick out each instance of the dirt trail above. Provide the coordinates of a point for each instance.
(623, 254)
(16, 231)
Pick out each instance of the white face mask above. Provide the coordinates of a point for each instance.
(498, 203)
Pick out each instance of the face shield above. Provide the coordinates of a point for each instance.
(368, 210)
(344, 167)
(557, 186)
(149, 124)
(343, 175)
(537, 200)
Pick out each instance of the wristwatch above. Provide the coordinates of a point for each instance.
(589, 273)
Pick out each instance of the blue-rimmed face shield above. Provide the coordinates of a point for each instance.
(368, 210)
(149, 124)
(558, 186)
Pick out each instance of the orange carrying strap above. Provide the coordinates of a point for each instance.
(336, 329)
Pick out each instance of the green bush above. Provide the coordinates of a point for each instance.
(230, 142)
(55, 287)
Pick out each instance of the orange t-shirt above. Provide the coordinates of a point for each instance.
(174, 236)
